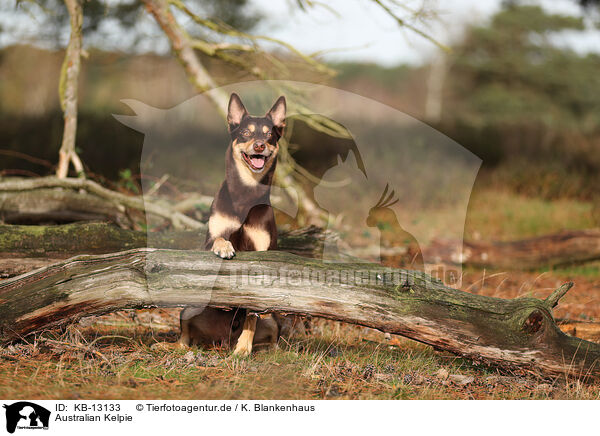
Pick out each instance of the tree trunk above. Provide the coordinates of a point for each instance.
(544, 251)
(184, 51)
(69, 81)
(435, 88)
(518, 333)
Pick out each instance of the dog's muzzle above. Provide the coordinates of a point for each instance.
(256, 162)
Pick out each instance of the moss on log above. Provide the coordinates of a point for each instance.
(99, 238)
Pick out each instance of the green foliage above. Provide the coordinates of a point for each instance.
(235, 13)
(511, 72)
(385, 77)
(52, 16)
(590, 270)
(127, 181)
(524, 103)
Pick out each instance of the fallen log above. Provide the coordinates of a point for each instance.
(87, 238)
(99, 238)
(519, 333)
(17, 187)
(589, 330)
(20, 265)
(25, 248)
(41, 206)
(570, 247)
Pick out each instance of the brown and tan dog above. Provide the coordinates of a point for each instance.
(241, 219)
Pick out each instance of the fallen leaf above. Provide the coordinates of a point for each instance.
(461, 380)
(442, 374)
(189, 357)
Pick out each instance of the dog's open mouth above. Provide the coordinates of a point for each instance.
(256, 162)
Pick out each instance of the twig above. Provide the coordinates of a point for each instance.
(157, 185)
(224, 29)
(409, 26)
(27, 157)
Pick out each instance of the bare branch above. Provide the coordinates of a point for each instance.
(224, 29)
(404, 23)
(553, 298)
(183, 47)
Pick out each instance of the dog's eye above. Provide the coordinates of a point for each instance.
(246, 132)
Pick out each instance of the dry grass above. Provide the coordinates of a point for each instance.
(129, 361)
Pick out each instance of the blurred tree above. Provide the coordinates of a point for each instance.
(527, 105)
(512, 71)
(100, 17)
(587, 3)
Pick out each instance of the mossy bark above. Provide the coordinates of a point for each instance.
(99, 238)
(519, 333)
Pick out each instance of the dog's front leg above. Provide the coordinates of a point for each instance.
(220, 229)
(244, 342)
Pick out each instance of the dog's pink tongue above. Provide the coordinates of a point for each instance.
(258, 162)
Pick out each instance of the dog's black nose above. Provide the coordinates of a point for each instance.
(259, 146)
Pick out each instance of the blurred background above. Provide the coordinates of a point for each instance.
(517, 87)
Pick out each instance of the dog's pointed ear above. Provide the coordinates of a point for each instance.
(277, 113)
(235, 111)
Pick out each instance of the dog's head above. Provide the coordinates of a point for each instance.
(254, 139)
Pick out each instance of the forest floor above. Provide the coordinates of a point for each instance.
(123, 355)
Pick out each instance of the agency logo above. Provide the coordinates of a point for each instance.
(385, 185)
(26, 415)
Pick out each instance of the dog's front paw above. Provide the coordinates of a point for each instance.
(243, 349)
(223, 248)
